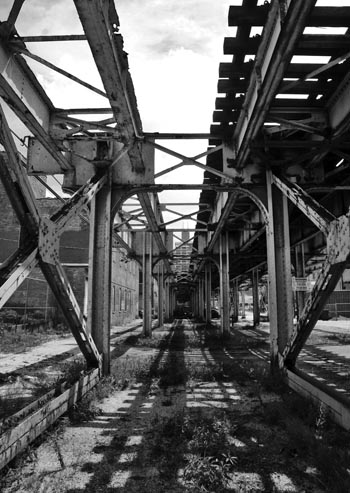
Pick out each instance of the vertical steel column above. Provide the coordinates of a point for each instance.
(255, 289)
(281, 295)
(160, 294)
(224, 284)
(243, 304)
(208, 293)
(300, 272)
(99, 284)
(195, 301)
(173, 302)
(86, 295)
(167, 299)
(147, 284)
(201, 298)
(235, 308)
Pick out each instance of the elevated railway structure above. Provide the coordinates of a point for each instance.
(275, 194)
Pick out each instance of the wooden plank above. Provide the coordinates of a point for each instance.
(294, 70)
(17, 439)
(233, 46)
(337, 407)
(247, 16)
(309, 44)
(320, 16)
(307, 87)
(283, 103)
(323, 45)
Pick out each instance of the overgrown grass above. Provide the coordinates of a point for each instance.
(20, 340)
(198, 444)
(124, 372)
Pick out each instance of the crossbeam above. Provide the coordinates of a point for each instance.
(318, 214)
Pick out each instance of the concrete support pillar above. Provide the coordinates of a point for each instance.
(208, 293)
(256, 304)
(99, 284)
(224, 284)
(279, 266)
(147, 284)
(160, 294)
(300, 272)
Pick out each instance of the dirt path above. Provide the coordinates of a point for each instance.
(186, 393)
(11, 362)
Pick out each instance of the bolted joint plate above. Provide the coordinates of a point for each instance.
(338, 240)
(48, 241)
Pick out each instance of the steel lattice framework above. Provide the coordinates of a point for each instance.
(276, 177)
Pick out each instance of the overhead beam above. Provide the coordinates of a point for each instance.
(177, 136)
(58, 37)
(70, 76)
(189, 160)
(27, 117)
(275, 51)
(185, 160)
(106, 44)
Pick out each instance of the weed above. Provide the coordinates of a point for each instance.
(321, 422)
(333, 466)
(274, 413)
(73, 371)
(207, 474)
(301, 436)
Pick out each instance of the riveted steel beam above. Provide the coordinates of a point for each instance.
(60, 286)
(153, 223)
(318, 214)
(338, 255)
(190, 160)
(101, 27)
(24, 268)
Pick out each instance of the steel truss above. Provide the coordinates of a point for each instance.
(262, 152)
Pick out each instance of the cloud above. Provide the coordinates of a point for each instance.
(174, 51)
(160, 26)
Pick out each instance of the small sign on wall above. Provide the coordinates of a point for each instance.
(301, 284)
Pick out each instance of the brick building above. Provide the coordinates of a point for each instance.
(34, 294)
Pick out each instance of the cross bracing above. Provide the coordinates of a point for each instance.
(275, 166)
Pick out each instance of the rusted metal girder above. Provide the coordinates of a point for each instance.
(191, 160)
(101, 27)
(318, 214)
(43, 237)
(153, 223)
(16, 278)
(274, 54)
(337, 231)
